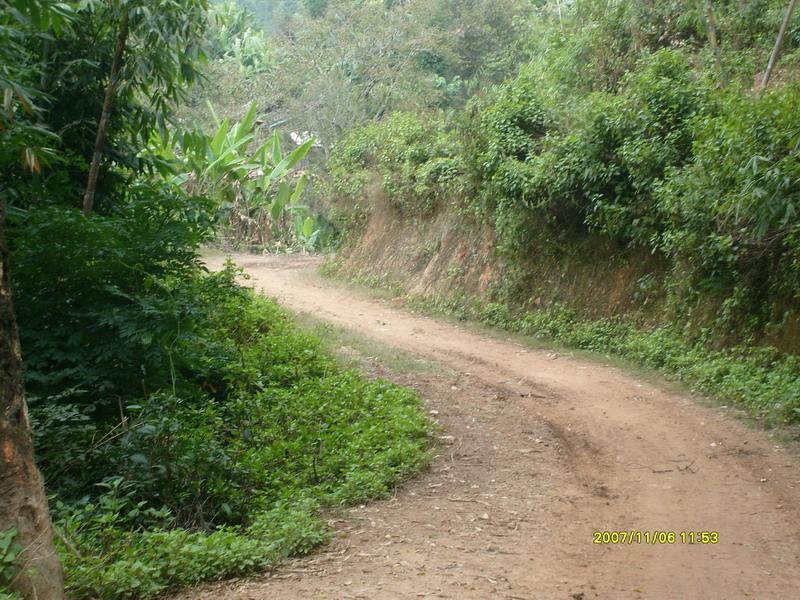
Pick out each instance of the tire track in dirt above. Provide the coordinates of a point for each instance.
(537, 452)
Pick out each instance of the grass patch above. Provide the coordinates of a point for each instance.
(357, 351)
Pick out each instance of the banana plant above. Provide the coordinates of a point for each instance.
(254, 190)
(307, 232)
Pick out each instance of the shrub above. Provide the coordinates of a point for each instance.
(418, 163)
(102, 308)
(599, 173)
(733, 232)
(222, 469)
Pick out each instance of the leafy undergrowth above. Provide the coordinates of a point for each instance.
(225, 471)
(758, 379)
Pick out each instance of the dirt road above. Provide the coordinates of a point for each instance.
(537, 452)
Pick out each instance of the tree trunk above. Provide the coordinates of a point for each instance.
(23, 504)
(776, 51)
(111, 88)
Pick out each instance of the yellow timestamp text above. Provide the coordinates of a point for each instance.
(635, 536)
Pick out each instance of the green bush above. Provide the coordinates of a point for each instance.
(732, 211)
(664, 162)
(598, 173)
(416, 161)
(228, 479)
(106, 555)
(188, 428)
(101, 311)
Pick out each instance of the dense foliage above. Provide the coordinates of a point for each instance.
(329, 66)
(222, 470)
(166, 401)
(628, 131)
(186, 428)
(416, 163)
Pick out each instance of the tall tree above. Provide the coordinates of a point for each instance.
(23, 502)
(157, 44)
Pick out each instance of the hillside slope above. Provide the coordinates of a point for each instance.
(630, 181)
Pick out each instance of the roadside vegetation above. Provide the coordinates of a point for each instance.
(183, 429)
(630, 135)
(758, 379)
(223, 467)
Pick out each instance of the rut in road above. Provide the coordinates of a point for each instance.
(536, 453)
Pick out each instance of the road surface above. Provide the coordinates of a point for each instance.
(538, 453)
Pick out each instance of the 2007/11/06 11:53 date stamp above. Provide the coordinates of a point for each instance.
(655, 537)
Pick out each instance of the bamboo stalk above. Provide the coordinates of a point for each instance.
(711, 27)
(102, 128)
(773, 59)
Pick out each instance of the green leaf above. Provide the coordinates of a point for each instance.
(298, 190)
(308, 227)
(280, 201)
(219, 138)
(276, 148)
(139, 459)
(249, 119)
(6, 539)
(295, 157)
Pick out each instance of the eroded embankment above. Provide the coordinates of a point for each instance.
(449, 255)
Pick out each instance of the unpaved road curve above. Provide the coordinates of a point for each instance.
(537, 452)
